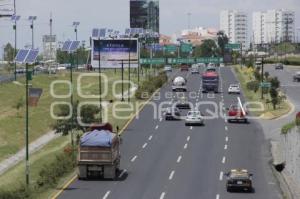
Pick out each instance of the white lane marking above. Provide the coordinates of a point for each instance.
(106, 195)
(226, 128)
(156, 127)
(144, 146)
(191, 128)
(225, 147)
(185, 146)
(188, 138)
(226, 139)
(162, 195)
(221, 176)
(134, 158)
(218, 196)
(171, 175)
(160, 119)
(150, 137)
(224, 160)
(122, 173)
(179, 159)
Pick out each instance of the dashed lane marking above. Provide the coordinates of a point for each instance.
(106, 195)
(162, 195)
(171, 175)
(225, 147)
(134, 158)
(144, 146)
(156, 127)
(188, 138)
(224, 160)
(185, 146)
(150, 137)
(179, 159)
(221, 176)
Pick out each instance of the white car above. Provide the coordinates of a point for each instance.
(195, 69)
(234, 89)
(194, 118)
(168, 68)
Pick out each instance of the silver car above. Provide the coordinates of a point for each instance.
(234, 89)
(194, 118)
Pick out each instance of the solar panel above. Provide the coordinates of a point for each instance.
(31, 57)
(95, 32)
(74, 46)
(66, 46)
(21, 55)
(102, 32)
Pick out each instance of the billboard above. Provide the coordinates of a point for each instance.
(6, 8)
(113, 51)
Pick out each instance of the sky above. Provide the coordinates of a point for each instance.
(115, 14)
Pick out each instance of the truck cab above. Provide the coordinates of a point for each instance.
(210, 82)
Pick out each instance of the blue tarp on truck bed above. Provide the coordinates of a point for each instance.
(101, 138)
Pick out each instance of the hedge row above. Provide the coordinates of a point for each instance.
(147, 88)
(48, 177)
(285, 62)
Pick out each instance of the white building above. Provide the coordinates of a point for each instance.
(273, 26)
(235, 25)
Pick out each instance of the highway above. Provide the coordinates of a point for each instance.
(165, 159)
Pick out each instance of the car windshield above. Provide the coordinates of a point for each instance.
(194, 113)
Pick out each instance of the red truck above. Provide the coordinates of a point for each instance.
(237, 113)
(184, 67)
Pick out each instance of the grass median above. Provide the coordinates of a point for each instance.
(245, 75)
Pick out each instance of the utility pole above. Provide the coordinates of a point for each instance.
(32, 19)
(262, 78)
(76, 24)
(50, 35)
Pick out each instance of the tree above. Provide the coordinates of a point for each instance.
(274, 97)
(9, 53)
(275, 83)
(87, 115)
(208, 48)
(267, 75)
(222, 41)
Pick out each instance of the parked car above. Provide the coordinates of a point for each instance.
(194, 118)
(239, 180)
(279, 66)
(21, 70)
(234, 89)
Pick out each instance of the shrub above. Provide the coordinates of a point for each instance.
(253, 86)
(286, 128)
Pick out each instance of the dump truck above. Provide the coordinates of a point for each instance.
(99, 153)
(179, 84)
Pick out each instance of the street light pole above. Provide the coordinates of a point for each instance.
(32, 19)
(100, 79)
(26, 129)
(15, 18)
(76, 24)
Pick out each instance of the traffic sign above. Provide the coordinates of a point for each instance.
(207, 60)
(152, 61)
(181, 60)
(232, 46)
(265, 85)
(170, 48)
(186, 48)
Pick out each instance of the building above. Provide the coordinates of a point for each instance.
(273, 26)
(49, 47)
(144, 14)
(197, 35)
(235, 25)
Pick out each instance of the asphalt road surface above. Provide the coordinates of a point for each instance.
(165, 159)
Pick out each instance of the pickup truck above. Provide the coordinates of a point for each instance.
(99, 153)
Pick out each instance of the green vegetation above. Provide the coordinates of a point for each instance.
(287, 61)
(150, 85)
(250, 83)
(287, 127)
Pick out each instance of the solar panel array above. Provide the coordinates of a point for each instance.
(15, 17)
(70, 46)
(31, 57)
(26, 56)
(102, 32)
(66, 46)
(95, 32)
(21, 55)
